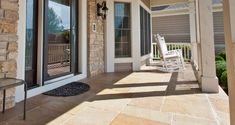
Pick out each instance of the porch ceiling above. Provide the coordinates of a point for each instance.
(166, 2)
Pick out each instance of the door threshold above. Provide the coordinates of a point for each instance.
(58, 79)
(33, 87)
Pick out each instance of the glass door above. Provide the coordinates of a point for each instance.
(60, 39)
(31, 43)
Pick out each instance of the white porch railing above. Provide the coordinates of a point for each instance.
(186, 50)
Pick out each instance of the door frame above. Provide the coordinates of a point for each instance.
(35, 45)
(82, 37)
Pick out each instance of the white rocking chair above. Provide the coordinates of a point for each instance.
(172, 59)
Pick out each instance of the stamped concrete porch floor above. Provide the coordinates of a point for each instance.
(139, 98)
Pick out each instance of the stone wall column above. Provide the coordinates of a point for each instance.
(193, 32)
(96, 49)
(8, 45)
(229, 30)
(209, 81)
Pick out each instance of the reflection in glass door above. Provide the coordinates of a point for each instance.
(59, 40)
(31, 43)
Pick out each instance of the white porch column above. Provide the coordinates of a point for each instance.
(209, 81)
(199, 62)
(229, 30)
(136, 35)
(193, 32)
(109, 38)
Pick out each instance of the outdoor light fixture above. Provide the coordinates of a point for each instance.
(102, 9)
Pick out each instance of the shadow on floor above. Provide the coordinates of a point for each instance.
(43, 109)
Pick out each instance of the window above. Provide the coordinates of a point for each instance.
(122, 30)
(145, 32)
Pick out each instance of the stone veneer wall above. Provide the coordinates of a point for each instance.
(96, 48)
(8, 45)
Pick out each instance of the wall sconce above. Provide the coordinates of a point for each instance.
(102, 9)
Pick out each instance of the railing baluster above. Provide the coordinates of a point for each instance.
(189, 53)
(186, 50)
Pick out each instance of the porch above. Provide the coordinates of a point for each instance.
(135, 98)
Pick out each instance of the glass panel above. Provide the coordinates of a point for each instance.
(118, 21)
(31, 43)
(145, 31)
(30, 34)
(122, 30)
(59, 42)
(141, 30)
(149, 34)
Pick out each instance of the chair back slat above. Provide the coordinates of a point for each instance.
(161, 44)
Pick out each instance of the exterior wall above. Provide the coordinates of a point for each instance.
(219, 31)
(8, 45)
(175, 28)
(218, 27)
(123, 67)
(96, 48)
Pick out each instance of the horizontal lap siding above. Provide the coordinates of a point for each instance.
(174, 28)
(123, 67)
(177, 28)
(218, 27)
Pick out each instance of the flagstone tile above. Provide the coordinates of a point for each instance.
(92, 116)
(194, 105)
(153, 103)
(130, 120)
(148, 114)
(186, 120)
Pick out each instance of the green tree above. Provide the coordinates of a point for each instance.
(54, 22)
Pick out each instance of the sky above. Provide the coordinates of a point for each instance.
(62, 11)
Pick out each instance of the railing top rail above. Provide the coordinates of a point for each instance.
(177, 43)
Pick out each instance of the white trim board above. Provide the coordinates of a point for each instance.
(123, 60)
(144, 6)
(173, 12)
(21, 48)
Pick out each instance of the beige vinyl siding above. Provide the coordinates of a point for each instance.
(174, 28)
(218, 27)
(123, 67)
(177, 28)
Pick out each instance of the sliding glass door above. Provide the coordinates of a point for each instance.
(60, 38)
